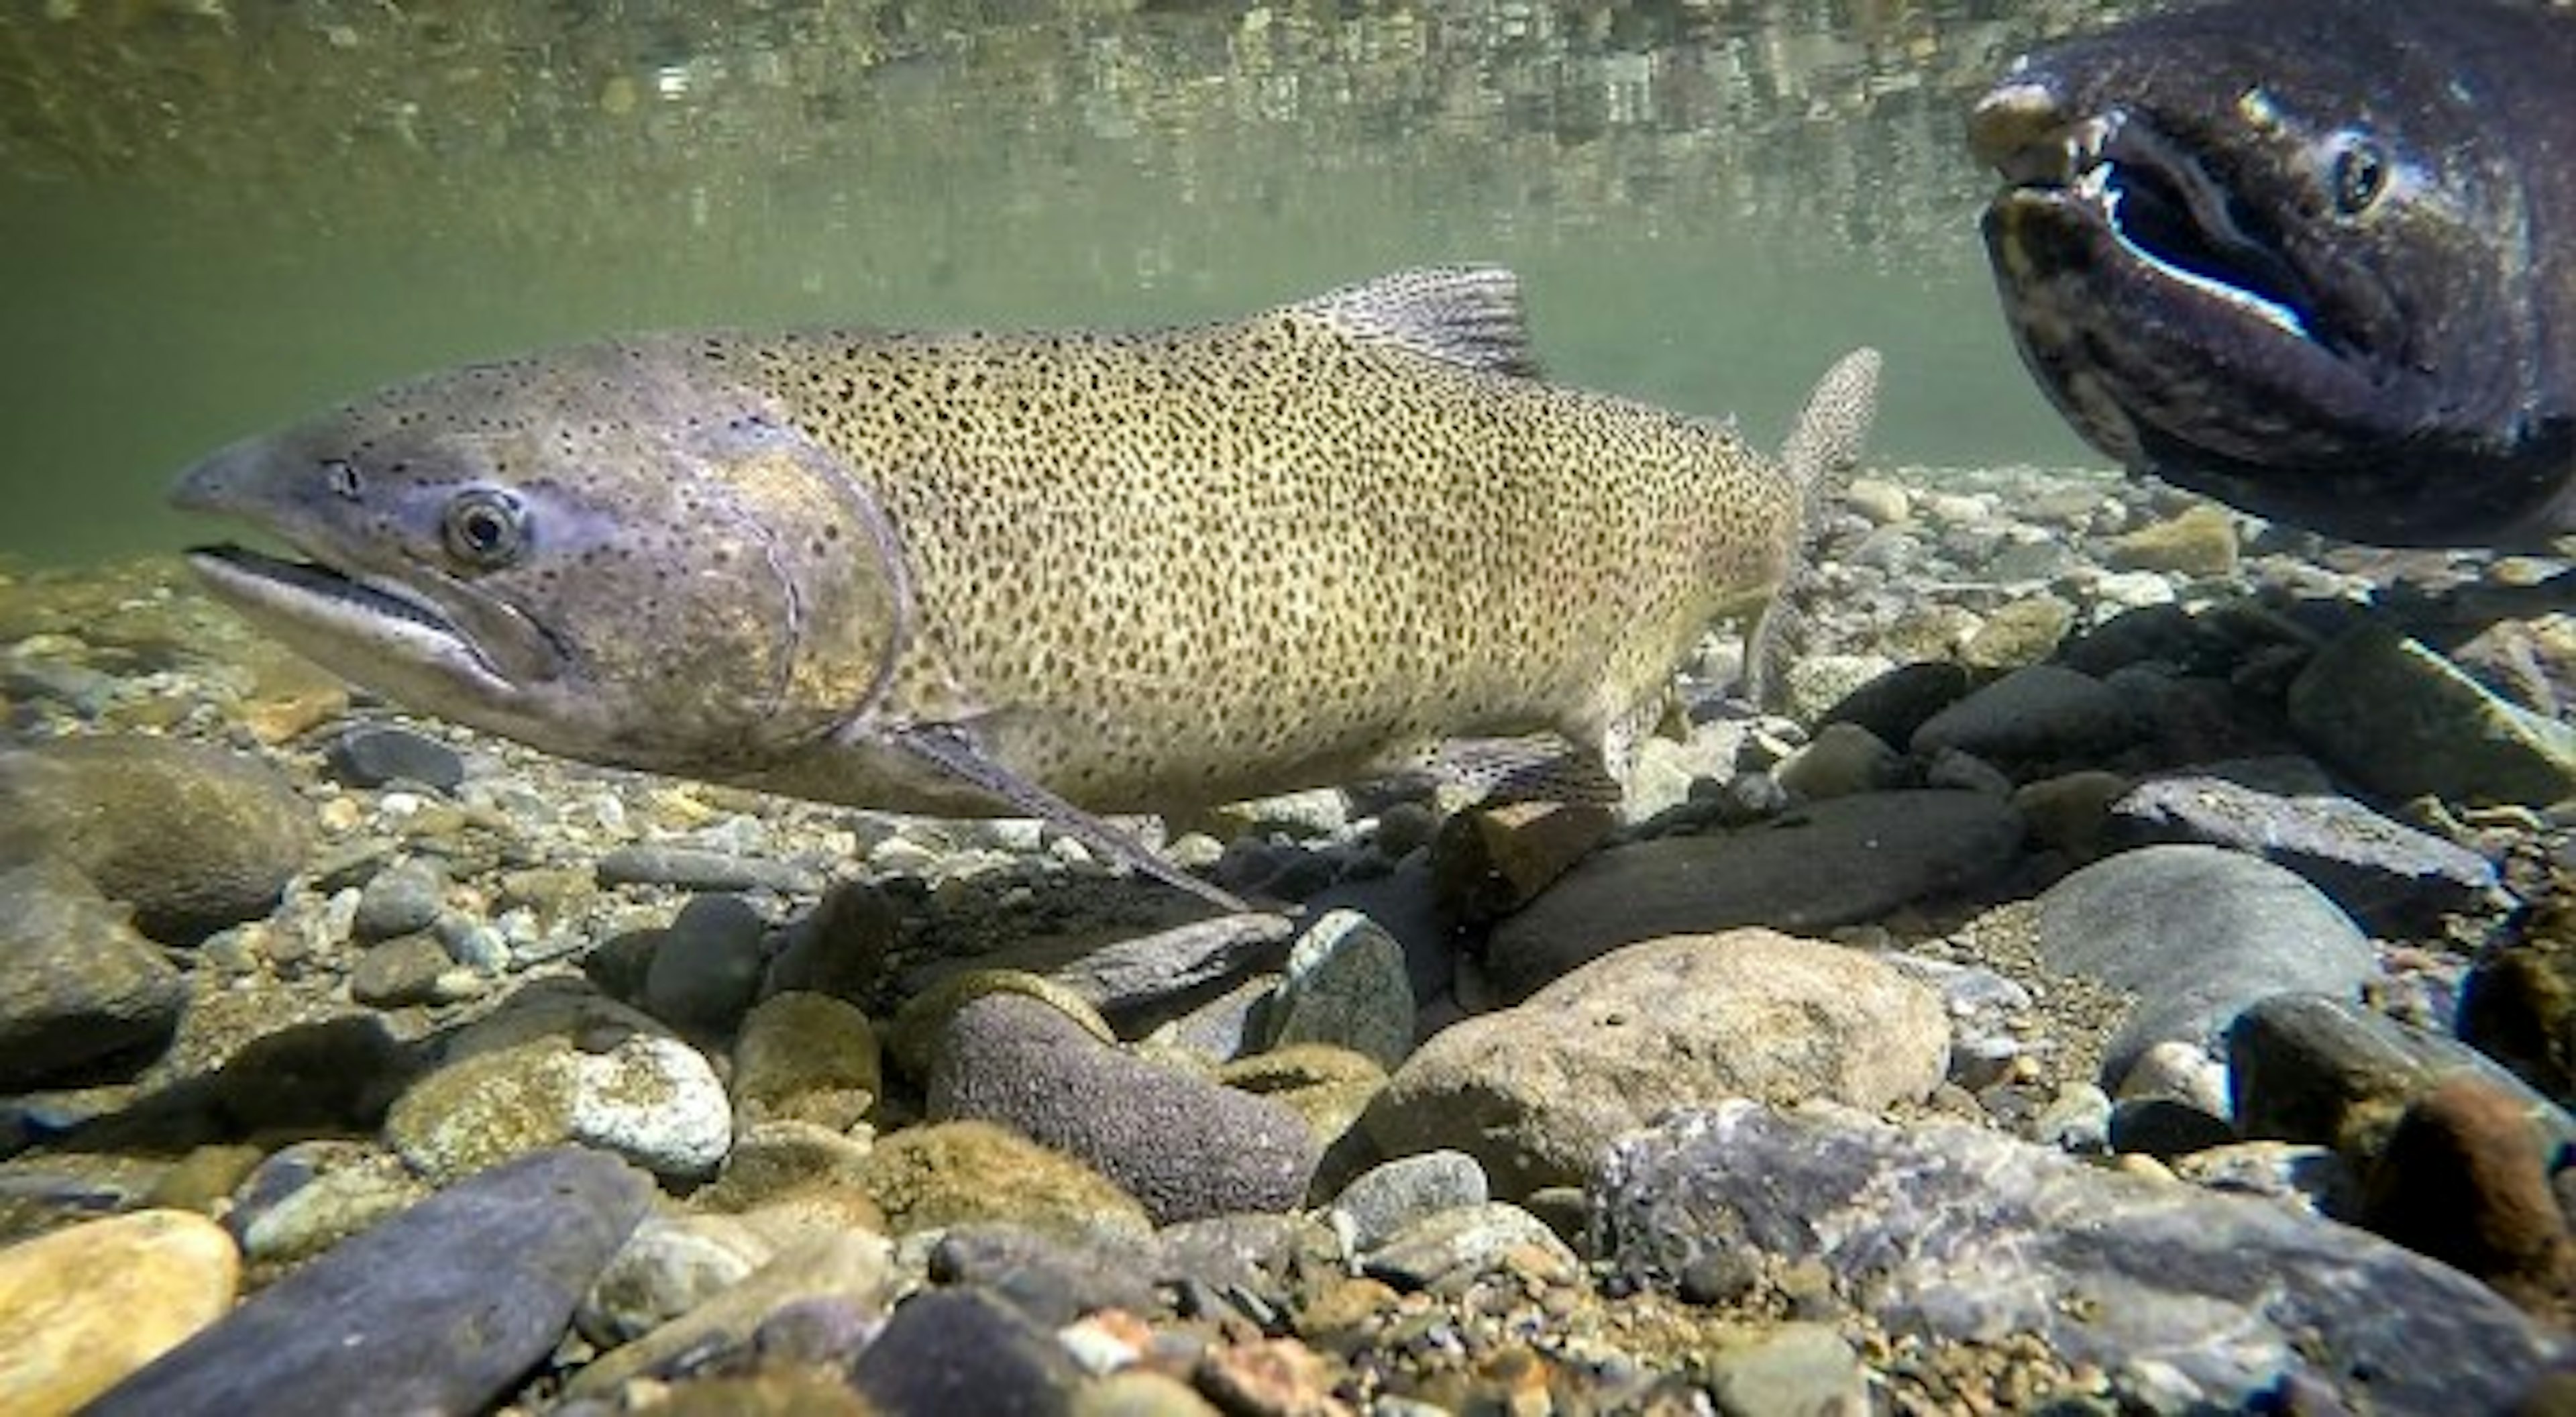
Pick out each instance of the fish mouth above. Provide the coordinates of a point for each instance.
(2110, 185)
(324, 613)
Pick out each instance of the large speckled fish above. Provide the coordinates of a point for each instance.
(2316, 258)
(1039, 573)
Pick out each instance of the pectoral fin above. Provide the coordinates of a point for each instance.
(953, 750)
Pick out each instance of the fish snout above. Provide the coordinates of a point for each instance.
(221, 481)
(2025, 129)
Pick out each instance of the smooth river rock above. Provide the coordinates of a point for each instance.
(1536, 1092)
(2311, 1068)
(1185, 1146)
(2389, 876)
(1829, 863)
(83, 1307)
(2405, 722)
(442, 1308)
(79, 989)
(2187, 1297)
(558, 1065)
(2046, 713)
(2199, 934)
(195, 838)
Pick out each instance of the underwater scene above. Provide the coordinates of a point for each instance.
(1482, 706)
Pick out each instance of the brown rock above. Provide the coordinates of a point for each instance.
(806, 1057)
(1277, 1377)
(858, 1269)
(2462, 1179)
(1490, 861)
(1536, 1092)
(194, 838)
(2519, 1003)
(2200, 542)
(951, 1173)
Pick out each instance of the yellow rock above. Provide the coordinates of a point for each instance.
(81, 1308)
(2200, 542)
(292, 696)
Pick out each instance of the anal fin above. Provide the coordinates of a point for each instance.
(953, 750)
(1540, 767)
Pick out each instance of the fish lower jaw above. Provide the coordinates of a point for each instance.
(354, 627)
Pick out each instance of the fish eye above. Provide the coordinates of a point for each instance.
(341, 476)
(486, 529)
(2360, 174)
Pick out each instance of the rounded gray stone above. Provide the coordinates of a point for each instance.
(1447, 1250)
(1183, 1145)
(375, 756)
(1797, 1367)
(707, 965)
(1346, 985)
(400, 971)
(1391, 1195)
(78, 988)
(400, 900)
(2198, 935)
(194, 838)
(1844, 759)
(669, 1266)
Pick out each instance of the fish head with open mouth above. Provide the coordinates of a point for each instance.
(2293, 255)
(674, 567)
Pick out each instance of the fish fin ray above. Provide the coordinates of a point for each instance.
(953, 750)
(1533, 767)
(1469, 316)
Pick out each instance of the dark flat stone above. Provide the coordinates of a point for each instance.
(948, 1351)
(1830, 863)
(373, 757)
(442, 1308)
(693, 869)
(2385, 874)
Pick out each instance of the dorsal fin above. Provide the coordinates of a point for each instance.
(1465, 315)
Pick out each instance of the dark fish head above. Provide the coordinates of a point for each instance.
(2284, 253)
(604, 552)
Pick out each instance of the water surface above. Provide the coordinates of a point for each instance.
(215, 217)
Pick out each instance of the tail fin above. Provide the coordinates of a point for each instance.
(1826, 442)
(1822, 449)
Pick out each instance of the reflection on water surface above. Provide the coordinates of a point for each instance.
(216, 215)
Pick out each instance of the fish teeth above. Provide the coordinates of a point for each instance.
(2085, 144)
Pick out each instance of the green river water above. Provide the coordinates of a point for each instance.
(216, 216)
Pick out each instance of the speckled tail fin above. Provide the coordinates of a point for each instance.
(1822, 448)
(1464, 315)
(953, 750)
